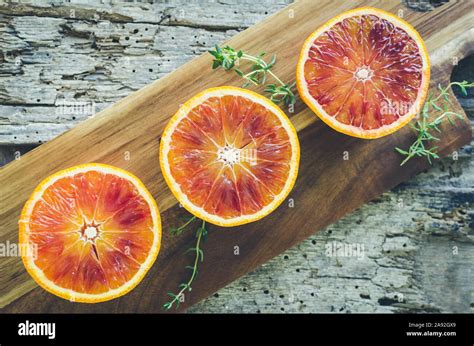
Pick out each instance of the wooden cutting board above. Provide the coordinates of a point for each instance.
(327, 187)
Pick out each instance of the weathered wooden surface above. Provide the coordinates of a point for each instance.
(409, 233)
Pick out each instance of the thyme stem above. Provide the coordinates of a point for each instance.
(201, 233)
(253, 59)
(179, 230)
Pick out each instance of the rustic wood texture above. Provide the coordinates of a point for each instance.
(307, 193)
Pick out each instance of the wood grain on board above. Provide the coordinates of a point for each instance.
(327, 187)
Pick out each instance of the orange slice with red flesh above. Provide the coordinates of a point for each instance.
(90, 233)
(230, 156)
(365, 72)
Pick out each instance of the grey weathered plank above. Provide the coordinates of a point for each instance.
(92, 52)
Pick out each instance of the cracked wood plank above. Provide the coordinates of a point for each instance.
(92, 52)
(85, 51)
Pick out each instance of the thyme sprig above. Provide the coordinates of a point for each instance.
(201, 235)
(425, 128)
(228, 58)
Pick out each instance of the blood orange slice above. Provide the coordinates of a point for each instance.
(90, 233)
(230, 156)
(365, 72)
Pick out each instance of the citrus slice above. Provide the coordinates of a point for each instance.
(365, 72)
(230, 156)
(90, 233)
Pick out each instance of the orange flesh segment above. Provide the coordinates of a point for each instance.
(242, 187)
(124, 232)
(364, 71)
